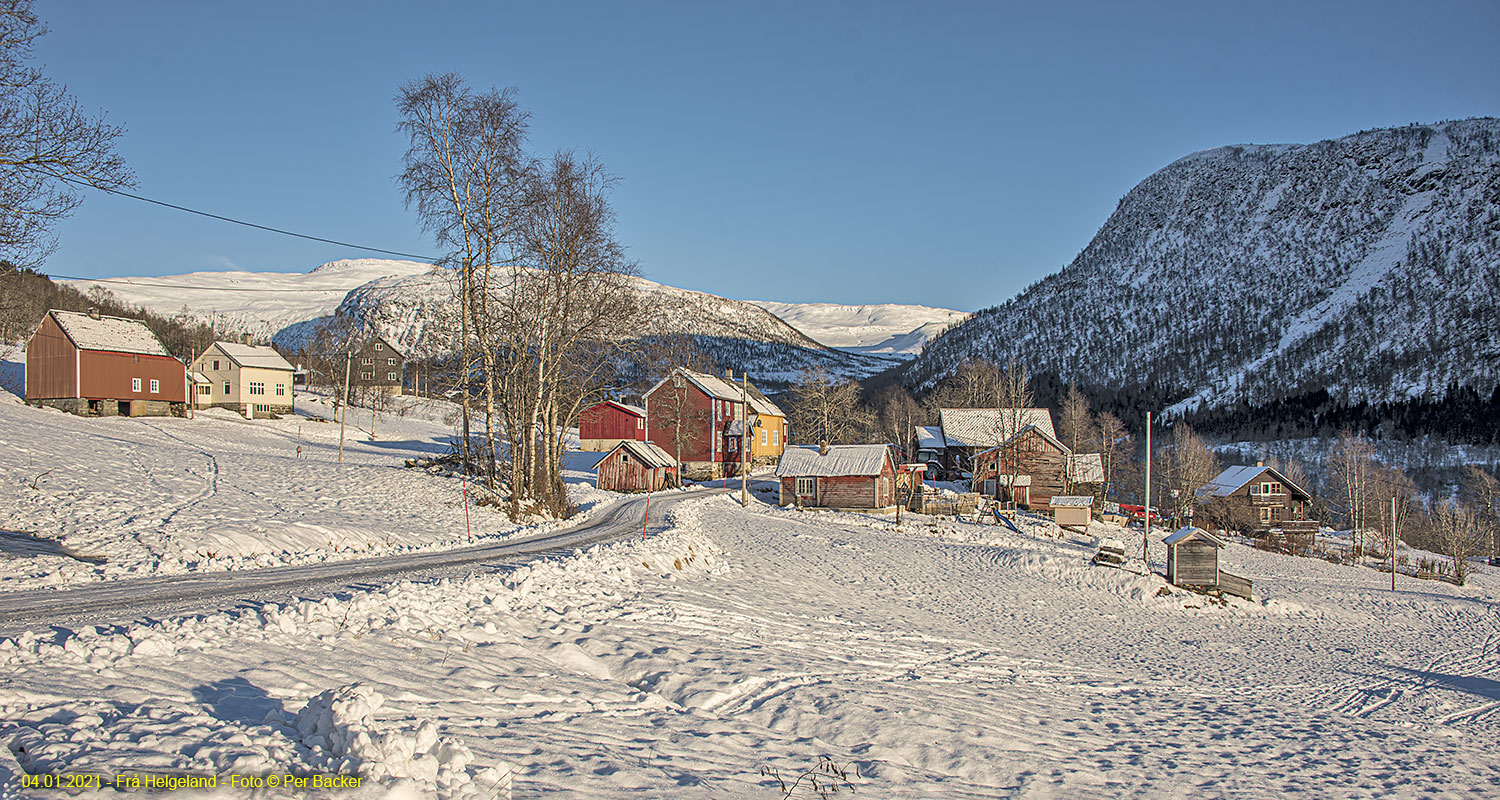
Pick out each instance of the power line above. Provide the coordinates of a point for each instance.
(220, 217)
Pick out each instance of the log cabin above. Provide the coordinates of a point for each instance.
(632, 466)
(841, 476)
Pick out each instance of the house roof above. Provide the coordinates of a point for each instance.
(626, 407)
(721, 389)
(199, 377)
(114, 334)
(1189, 532)
(1233, 479)
(1086, 468)
(930, 437)
(1071, 501)
(253, 355)
(843, 460)
(985, 427)
(648, 453)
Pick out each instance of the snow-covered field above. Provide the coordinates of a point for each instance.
(91, 499)
(935, 658)
(886, 329)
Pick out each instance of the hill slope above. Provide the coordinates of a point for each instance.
(884, 329)
(1367, 265)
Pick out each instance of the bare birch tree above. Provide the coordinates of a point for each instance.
(1481, 491)
(1012, 399)
(1351, 468)
(1114, 444)
(1075, 427)
(1458, 535)
(1190, 464)
(48, 147)
(897, 416)
(824, 409)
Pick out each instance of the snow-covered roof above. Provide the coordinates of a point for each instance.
(1190, 532)
(842, 460)
(985, 427)
(253, 355)
(626, 407)
(1087, 468)
(721, 389)
(1018, 480)
(1233, 479)
(930, 437)
(1071, 501)
(648, 453)
(198, 377)
(116, 334)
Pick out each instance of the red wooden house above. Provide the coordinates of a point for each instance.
(92, 364)
(838, 476)
(632, 466)
(603, 425)
(702, 420)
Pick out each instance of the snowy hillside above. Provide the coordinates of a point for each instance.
(886, 329)
(412, 311)
(260, 303)
(1369, 265)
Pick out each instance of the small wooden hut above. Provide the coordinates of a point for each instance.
(1072, 511)
(1193, 563)
(632, 466)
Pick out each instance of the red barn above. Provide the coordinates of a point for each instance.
(633, 466)
(702, 420)
(838, 476)
(89, 364)
(603, 425)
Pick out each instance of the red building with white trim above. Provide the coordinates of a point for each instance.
(603, 425)
(105, 366)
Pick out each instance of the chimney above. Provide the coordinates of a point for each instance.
(247, 337)
(1260, 463)
(729, 373)
(93, 312)
(822, 448)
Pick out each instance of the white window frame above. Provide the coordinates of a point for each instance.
(155, 386)
(390, 376)
(281, 390)
(762, 437)
(135, 384)
(775, 438)
(807, 486)
(227, 387)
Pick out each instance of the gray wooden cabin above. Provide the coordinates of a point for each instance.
(1193, 563)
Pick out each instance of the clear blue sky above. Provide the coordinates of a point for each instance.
(940, 153)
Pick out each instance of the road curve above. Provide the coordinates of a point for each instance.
(123, 601)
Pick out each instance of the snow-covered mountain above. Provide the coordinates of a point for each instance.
(409, 303)
(886, 329)
(1367, 265)
(259, 303)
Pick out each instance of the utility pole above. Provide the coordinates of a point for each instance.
(1146, 532)
(344, 414)
(1394, 539)
(746, 438)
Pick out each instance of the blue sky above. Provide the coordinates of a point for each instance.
(939, 153)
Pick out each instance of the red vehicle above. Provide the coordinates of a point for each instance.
(1138, 513)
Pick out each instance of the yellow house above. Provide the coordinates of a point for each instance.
(770, 429)
(252, 380)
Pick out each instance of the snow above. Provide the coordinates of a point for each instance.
(841, 460)
(116, 334)
(883, 329)
(1071, 501)
(1190, 532)
(939, 658)
(982, 427)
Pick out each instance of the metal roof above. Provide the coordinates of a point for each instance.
(1233, 479)
(1086, 468)
(648, 453)
(721, 389)
(113, 334)
(1190, 532)
(253, 355)
(842, 460)
(930, 437)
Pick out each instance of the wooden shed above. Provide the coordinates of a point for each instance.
(838, 476)
(632, 466)
(93, 364)
(1072, 511)
(1193, 563)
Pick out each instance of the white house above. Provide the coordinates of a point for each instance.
(253, 380)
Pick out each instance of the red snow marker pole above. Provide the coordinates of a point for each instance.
(647, 518)
(464, 481)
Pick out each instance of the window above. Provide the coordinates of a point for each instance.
(377, 347)
(257, 387)
(365, 376)
(640, 424)
(216, 363)
(762, 437)
(775, 438)
(1276, 513)
(1270, 487)
(367, 362)
(155, 386)
(1265, 513)
(281, 390)
(205, 390)
(391, 362)
(226, 388)
(806, 486)
(135, 384)
(391, 376)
